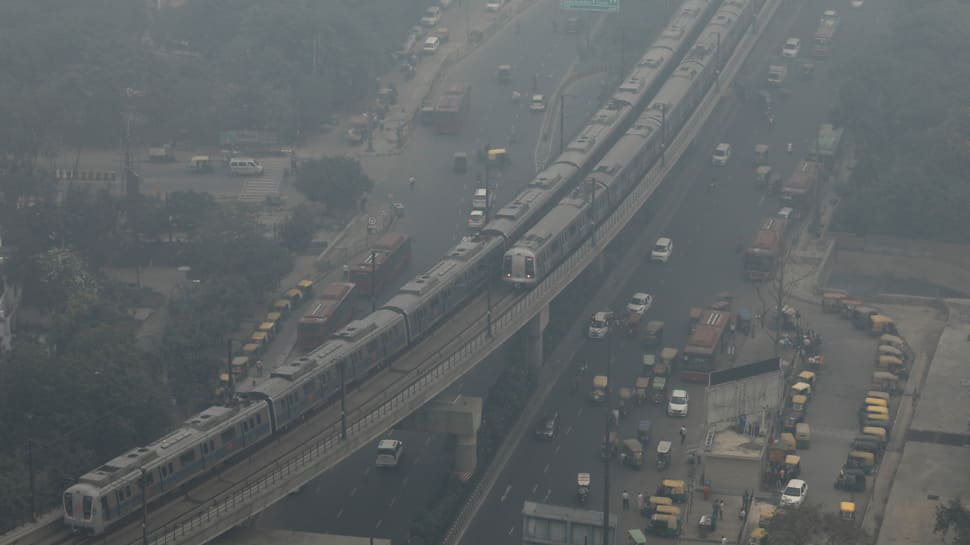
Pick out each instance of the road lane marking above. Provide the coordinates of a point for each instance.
(548, 493)
(508, 488)
(580, 412)
(393, 501)
(367, 470)
(535, 487)
(512, 529)
(340, 513)
(557, 448)
(404, 481)
(546, 470)
(569, 429)
(353, 492)
(427, 440)
(378, 525)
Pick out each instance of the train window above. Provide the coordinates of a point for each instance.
(87, 505)
(205, 448)
(259, 419)
(246, 423)
(507, 265)
(228, 435)
(119, 496)
(69, 503)
(127, 491)
(164, 472)
(187, 458)
(106, 513)
(308, 388)
(149, 479)
(212, 444)
(171, 468)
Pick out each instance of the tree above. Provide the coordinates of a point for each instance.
(297, 231)
(808, 525)
(774, 296)
(953, 517)
(336, 181)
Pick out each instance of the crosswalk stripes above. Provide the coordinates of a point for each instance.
(257, 189)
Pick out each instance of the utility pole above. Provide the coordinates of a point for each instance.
(373, 281)
(562, 125)
(592, 206)
(232, 384)
(607, 460)
(30, 479)
(343, 400)
(488, 299)
(144, 505)
(663, 133)
(717, 61)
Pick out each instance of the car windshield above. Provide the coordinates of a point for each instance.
(598, 324)
(678, 399)
(660, 248)
(793, 491)
(638, 300)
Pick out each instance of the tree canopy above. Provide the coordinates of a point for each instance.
(337, 181)
(904, 99)
(953, 518)
(808, 525)
(70, 70)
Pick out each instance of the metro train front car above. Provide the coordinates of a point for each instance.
(519, 267)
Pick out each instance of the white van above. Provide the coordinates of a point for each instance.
(482, 199)
(389, 452)
(245, 166)
(431, 45)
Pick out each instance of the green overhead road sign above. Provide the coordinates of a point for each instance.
(590, 5)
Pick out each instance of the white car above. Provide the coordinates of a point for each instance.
(493, 5)
(476, 220)
(662, 250)
(538, 103)
(389, 452)
(855, 3)
(431, 16)
(791, 48)
(722, 154)
(599, 325)
(677, 405)
(640, 303)
(794, 493)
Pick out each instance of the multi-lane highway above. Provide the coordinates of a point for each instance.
(706, 225)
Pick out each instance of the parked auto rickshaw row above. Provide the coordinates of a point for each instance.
(856, 311)
(265, 331)
(664, 517)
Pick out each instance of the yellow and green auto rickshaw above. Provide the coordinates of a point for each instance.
(201, 164)
(652, 503)
(673, 489)
(807, 377)
(803, 389)
(459, 162)
(893, 365)
(832, 299)
(664, 525)
(803, 435)
(858, 459)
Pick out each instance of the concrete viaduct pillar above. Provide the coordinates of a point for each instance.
(533, 336)
(460, 416)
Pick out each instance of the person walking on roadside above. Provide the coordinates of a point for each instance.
(625, 496)
(723, 540)
(683, 434)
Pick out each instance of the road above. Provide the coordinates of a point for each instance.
(705, 226)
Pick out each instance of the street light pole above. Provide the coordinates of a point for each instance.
(230, 381)
(592, 207)
(373, 281)
(663, 133)
(30, 479)
(562, 117)
(717, 61)
(606, 439)
(144, 505)
(488, 299)
(343, 400)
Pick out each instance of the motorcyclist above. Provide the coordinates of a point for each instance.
(791, 146)
(411, 182)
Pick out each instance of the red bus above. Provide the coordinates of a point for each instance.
(762, 255)
(333, 309)
(704, 345)
(388, 257)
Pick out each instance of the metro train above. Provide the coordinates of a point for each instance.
(550, 241)
(105, 496)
